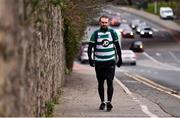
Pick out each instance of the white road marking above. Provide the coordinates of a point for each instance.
(158, 54)
(172, 54)
(170, 67)
(144, 108)
(124, 87)
(155, 30)
(142, 70)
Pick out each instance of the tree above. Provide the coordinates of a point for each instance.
(129, 2)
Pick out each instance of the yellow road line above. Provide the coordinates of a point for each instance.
(153, 84)
(144, 108)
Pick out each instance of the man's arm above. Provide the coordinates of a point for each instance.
(118, 50)
(90, 47)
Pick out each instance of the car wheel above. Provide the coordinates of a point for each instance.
(134, 63)
(82, 61)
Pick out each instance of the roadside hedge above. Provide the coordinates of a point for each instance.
(76, 14)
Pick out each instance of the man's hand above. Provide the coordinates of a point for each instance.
(119, 63)
(91, 62)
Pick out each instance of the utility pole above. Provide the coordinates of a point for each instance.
(155, 6)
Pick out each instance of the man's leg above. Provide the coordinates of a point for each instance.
(110, 89)
(101, 88)
(100, 79)
(110, 77)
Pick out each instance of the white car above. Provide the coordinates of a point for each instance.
(146, 31)
(166, 13)
(83, 57)
(128, 57)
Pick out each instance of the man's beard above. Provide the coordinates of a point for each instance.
(104, 28)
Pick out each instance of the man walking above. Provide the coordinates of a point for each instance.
(106, 47)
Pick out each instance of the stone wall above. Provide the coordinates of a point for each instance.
(31, 56)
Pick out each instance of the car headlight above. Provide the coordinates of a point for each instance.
(138, 30)
(142, 32)
(133, 26)
(131, 33)
(150, 32)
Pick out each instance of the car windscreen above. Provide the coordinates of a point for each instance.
(147, 29)
(167, 11)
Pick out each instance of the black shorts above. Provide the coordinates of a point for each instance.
(105, 70)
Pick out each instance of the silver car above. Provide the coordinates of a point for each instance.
(128, 57)
(84, 55)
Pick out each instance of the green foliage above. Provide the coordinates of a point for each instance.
(76, 14)
(57, 2)
(49, 106)
(71, 39)
(150, 8)
(34, 2)
(66, 71)
(37, 13)
(75, 20)
(74, 25)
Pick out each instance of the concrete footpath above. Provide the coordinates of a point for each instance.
(80, 98)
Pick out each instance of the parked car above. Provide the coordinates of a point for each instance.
(166, 13)
(83, 56)
(146, 32)
(128, 57)
(137, 46)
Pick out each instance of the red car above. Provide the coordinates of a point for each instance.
(127, 34)
(115, 21)
(126, 31)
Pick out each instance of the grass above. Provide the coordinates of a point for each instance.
(49, 105)
(150, 8)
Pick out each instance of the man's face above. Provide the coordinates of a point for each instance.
(104, 23)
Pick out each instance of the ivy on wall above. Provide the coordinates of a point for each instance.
(75, 14)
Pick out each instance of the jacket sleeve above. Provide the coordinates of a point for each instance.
(118, 49)
(116, 43)
(92, 44)
(90, 47)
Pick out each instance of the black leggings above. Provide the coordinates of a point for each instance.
(105, 71)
